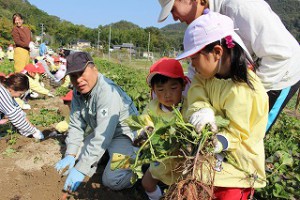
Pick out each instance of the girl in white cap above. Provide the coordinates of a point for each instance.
(224, 85)
(271, 45)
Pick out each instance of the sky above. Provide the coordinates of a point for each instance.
(93, 13)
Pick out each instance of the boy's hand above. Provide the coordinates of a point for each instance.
(143, 136)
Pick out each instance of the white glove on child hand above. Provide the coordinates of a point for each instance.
(34, 95)
(202, 117)
(50, 94)
(38, 135)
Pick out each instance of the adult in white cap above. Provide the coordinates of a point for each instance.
(224, 85)
(101, 105)
(273, 48)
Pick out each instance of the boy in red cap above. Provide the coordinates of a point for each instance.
(56, 64)
(167, 81)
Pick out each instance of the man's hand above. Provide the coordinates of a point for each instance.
(202, 117)
(63, 163)
(73, 180)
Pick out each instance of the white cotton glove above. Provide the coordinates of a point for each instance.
(202, 117)
(31, 45)
(50, 94)
(38, 135)
(34, 95)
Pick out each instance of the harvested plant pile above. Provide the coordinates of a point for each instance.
(174, 139)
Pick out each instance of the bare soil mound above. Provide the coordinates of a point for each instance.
(27, 166)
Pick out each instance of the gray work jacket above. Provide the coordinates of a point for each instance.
(104, 110)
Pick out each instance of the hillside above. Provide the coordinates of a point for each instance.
(59, 32)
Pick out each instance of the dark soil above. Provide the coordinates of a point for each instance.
(27, 167)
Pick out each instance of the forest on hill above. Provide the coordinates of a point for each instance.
(59, 32)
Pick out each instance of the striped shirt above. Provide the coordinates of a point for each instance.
(10, 108)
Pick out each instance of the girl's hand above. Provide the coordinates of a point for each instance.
(202, 117)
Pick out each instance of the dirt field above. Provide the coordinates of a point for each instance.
(28, 172)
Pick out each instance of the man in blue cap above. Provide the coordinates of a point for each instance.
(103, 106)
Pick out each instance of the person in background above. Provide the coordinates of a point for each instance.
(61, 72)
(273, 48)
(103, 106)
(22, 38)
(47, 62)
(32, 72)
(224, 85)
(56, 64)
(43, 49)
(167, 81)
(2, 55)
(10, 53)
(15, 86)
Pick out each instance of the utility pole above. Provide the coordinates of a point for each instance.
(109, 38)
(98, 43)
(148, 46)
(130, 51)
(42, 35)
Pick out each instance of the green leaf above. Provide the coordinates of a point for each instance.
(280, 192)
(284, 158)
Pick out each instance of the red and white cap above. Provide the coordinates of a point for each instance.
(38, 68)
(168, 67)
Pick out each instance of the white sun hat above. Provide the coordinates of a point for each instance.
(206, 29)
(166, 7)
